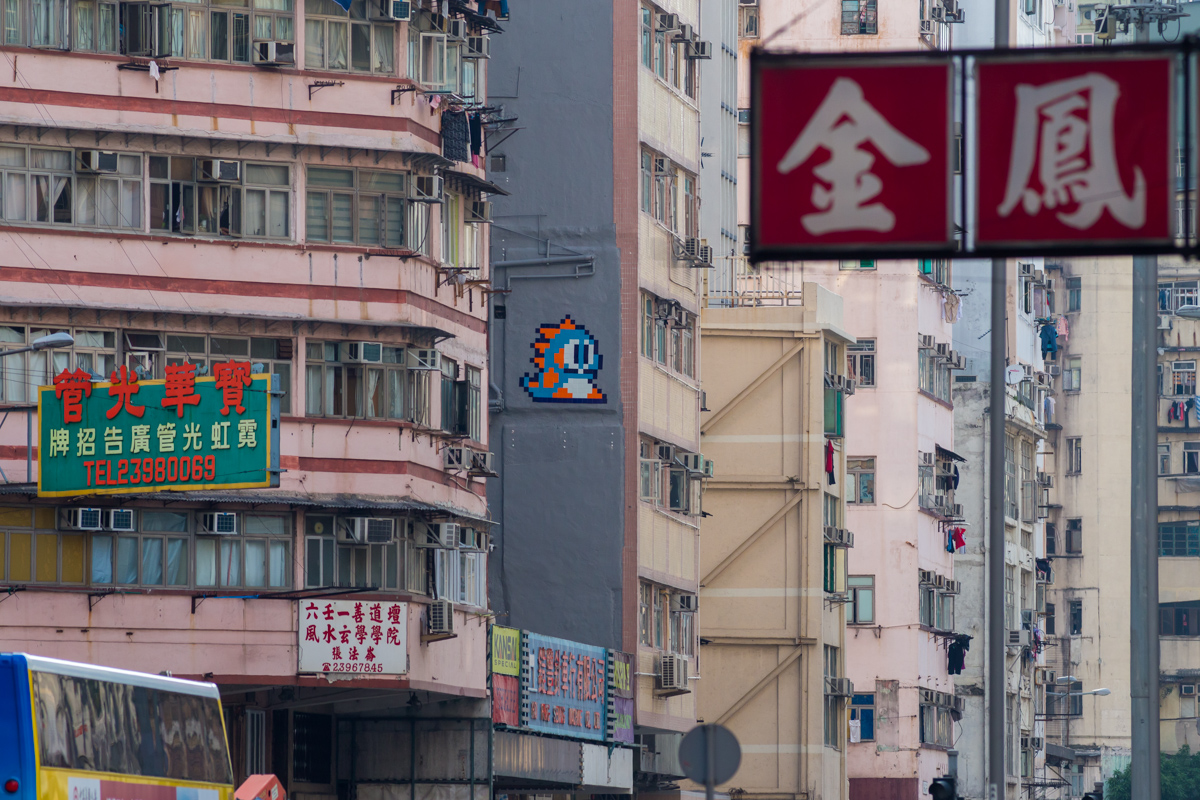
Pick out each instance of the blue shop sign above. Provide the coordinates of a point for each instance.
(565, 688)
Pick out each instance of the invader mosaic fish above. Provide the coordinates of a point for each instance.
(568, 361)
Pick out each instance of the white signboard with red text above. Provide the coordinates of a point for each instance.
(1069, 153)
(366, 637)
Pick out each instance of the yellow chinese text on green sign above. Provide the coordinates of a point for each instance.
(183, 433)
(506, 651)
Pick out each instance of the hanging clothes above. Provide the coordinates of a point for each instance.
(951, 307)
(957, 654)
(476, 134)
(1049, 336)
(960, 542)
(954, 480)
(829, 462)
(1060, 325)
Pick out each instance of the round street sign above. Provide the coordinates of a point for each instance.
(706, 743)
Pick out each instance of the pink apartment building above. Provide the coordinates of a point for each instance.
(300, 188)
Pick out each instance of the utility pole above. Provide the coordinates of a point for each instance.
(996, 635)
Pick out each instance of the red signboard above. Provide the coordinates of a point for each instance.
(506, 700)
(851, 156)
(1075, 152)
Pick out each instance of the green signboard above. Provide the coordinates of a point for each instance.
(183, 433)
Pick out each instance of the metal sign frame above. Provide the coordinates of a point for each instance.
(963, 207)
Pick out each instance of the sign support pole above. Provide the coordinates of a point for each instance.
(997, 636)
(1143, 562)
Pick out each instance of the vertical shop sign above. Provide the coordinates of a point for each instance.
(621, 688)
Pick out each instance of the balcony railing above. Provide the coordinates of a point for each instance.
(734, 283)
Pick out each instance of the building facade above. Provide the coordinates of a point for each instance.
(774, 556)
(303, 206)
(595, 351)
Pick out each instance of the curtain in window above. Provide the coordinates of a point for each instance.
(175, 32)
(254, 216)
(230, 573)
(152, 561)
(127, 559)
(206, 562)
(130, 213)
(196, 32)
(337, 45)
(256, 562)
(12, 22)
(108, 27)
(383, 55)
(374, 393)
(360, 47)
(278, 567)
(343, 220)
(14, 197)
(108, 202)
(177, 562)
(102, 559)
(85, 201)
(277, 203)
(368, 219)
(85, 11)
(262, 26)
(312, 389)
(42, 11)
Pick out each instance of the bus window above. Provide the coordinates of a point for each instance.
(103, 726)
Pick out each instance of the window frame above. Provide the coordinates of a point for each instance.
(860, 362)
(855, 586)
(396, 376)
(354, 198)
(859, 468)
(859, 18)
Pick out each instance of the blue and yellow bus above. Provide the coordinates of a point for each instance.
(77, 732)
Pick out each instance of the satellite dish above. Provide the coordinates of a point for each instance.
(1014, 374)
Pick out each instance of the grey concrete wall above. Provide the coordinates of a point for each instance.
(559, 499)
(718, 128)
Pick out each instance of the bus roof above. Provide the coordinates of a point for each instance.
(161, 682)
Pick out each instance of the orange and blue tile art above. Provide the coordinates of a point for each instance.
(568, 362)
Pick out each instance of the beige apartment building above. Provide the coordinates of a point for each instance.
(773, 564)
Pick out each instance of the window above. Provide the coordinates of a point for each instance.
(43, 186)
(460, 577)
(451, 230)
(935, 269)
(660, 599)
(862, 709)
(834, 718)
(1010, 598)
(338, 386)
(312, 747)
(1027, 293)
(859, 17)
(861, 609)
(275, 355)
(944, 616)
(834, 568)
(860, 362)
(256, 557)
(449, 418)
(660, 50)
(856, 264)
(348, 206)
(1183, 378)
(647, 37)
(335, 39)
(1049, 622)
(934, 375)
(1052, 542)
(683, 630)
(185, 198)
(1179, 619)
(1010, 477)
(748, 22)
(1075, 698)
(936, 724)
(1073, 374)
(682, 344)
(689, 205)
(743, 131)
(1074, 455)
(860, 481)
(31, 551)
(1074, 293)
(217, 30)
(1164, 459)
(649, 323)
(647, 182)
(1074, 536)
(400, 565)
(1191, 457)
(1179, 539)
(1028, 485)
(646, 614)
(1075, 610)
(474, 403)
(94, 352)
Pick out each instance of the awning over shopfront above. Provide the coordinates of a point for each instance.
(524, 760)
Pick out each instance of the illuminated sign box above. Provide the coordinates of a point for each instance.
(184, 433)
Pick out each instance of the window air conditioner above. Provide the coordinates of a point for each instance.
(1036, 743)
(710, 468)
(925, 341)
(431, 22)
(673, 674)
(441, 618)
(942, 349)
(693, 462)
(456, 458)
(668, 22)
(1054, 370)
(691, 248)
(952, 587)
(1026, 270)
(1024, 742)
(1164, 322)
(1018, 638)
(478, 212)
(399, 10)
(1044, 677)
(925, 576)
(478, 47)
(928, 697)
(222, 171)
(706, 257)
(937, 13)
(425, 189)
(956, 703)
(1049, 284)
(939, 581)
(683, 602)
(119, 519)
(95, 161)
(839, 687)
(481, 462)
(1045, 479)
(666, 452)
(468, 538)
(839, 537)
(364, 352)
(82, 519)
(747, 2)
(926, 458)
(367, 530)
(456, 29)
(1187, 689)
(439, 534)
(222, 522)
(424, 359)
(274, 54)
(698, 50)
(926, 27)
(954, 510)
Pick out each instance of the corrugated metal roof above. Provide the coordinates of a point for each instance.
(273, 497)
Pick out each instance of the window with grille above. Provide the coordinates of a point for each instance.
(859, 17)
